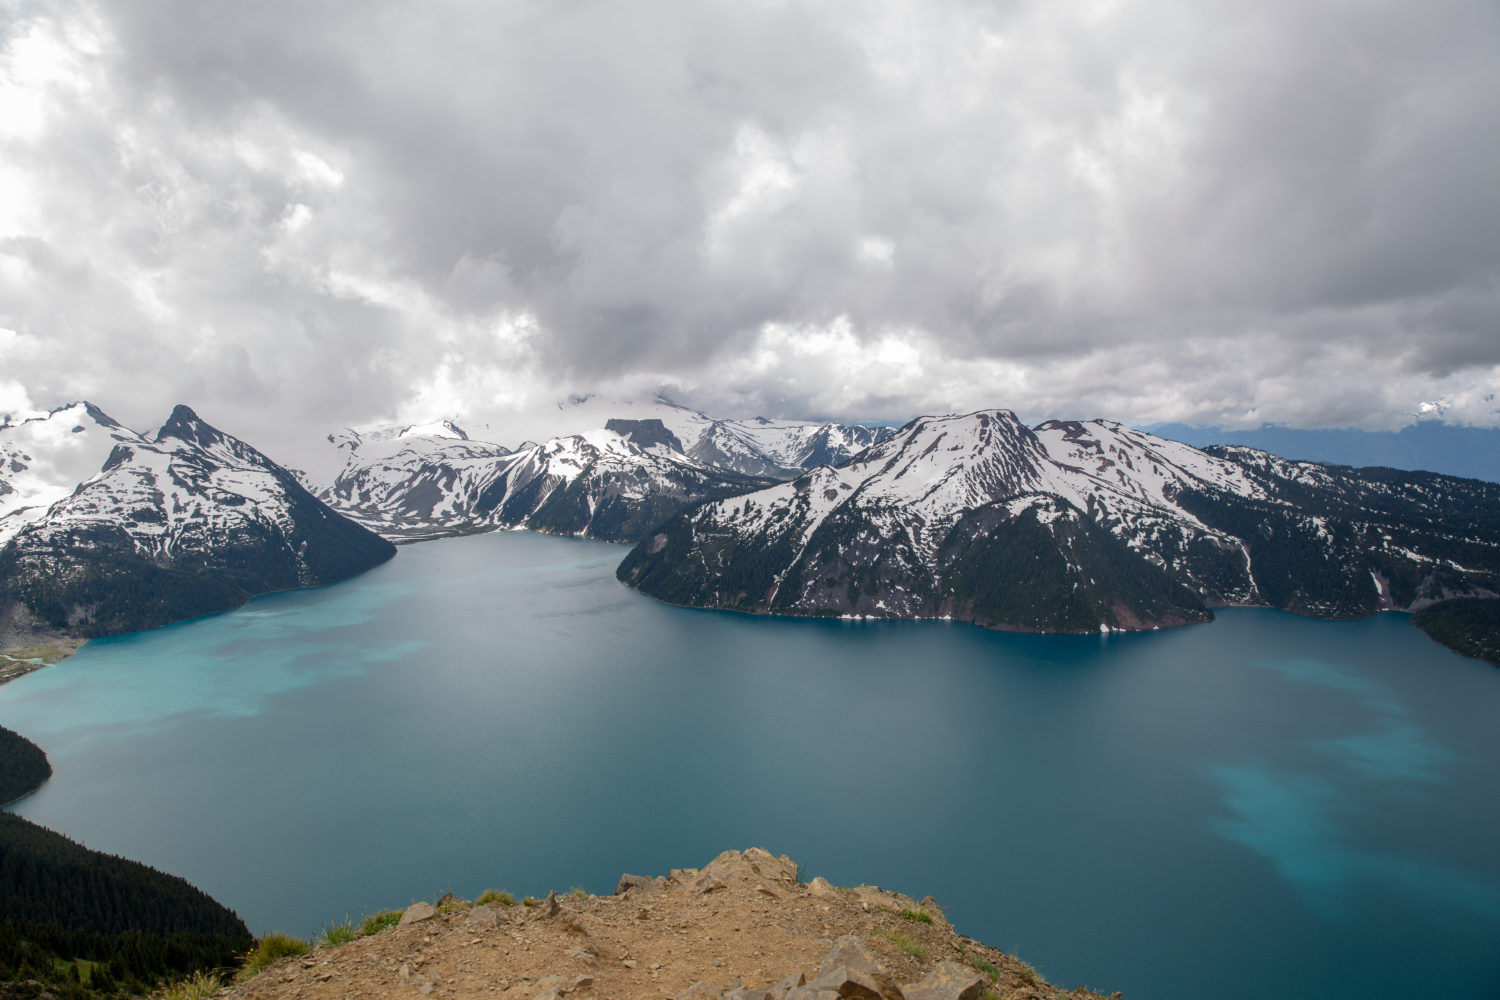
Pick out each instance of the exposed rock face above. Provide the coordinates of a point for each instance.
(1076, 527)
(742, 928)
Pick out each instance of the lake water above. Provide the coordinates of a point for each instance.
(1266, 806)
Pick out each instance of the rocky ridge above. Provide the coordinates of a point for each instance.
(742, 928)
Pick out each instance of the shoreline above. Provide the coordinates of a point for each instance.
(19, 660)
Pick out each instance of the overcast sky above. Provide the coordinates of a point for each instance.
(299, 214)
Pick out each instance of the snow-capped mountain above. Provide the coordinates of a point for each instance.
(1075, 526)
(650, 458)
(614, 483)
(757, 446)
(43, 458)
(180, 523)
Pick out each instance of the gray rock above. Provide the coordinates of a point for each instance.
(948, 981)
(850, 970)
(483, 917)
(746, 994)
(809, 993)
(417, 912)
(701, 991)
(781, 989)
(857, 984)
(640, 884)
(851, 951)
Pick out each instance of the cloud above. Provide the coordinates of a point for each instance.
(301, 215)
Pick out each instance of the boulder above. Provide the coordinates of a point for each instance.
(640, 884)
(948, 981)
(483, 917)
(417, 912)
(850, 970)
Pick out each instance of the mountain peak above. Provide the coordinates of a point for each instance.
(185, 425)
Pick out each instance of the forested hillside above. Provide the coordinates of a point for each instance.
(86, 923)
(23, 766)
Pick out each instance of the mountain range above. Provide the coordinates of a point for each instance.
(1075, 526)
(1065, 526)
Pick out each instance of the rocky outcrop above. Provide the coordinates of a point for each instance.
(744, 927)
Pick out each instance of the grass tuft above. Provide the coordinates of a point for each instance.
(916, 915)
(268, 949)
(1027, 972)
(578, 892)
(495, 897)
(202, 984)
(529, 900)
(988, 968)
(906, 943)
(377, 922)
(338, 933)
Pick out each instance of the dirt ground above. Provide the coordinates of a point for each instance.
(744, 921)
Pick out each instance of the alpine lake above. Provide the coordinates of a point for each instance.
(1262, 807)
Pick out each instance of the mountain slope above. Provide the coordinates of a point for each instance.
(1076, 526)
(187, 522)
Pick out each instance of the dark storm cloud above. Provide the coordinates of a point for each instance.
(322, 212)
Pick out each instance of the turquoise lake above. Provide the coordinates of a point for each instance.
(1265, 806)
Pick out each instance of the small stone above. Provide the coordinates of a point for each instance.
(820, 886)
(710, 885)
(630, 963)
(405, 971)
(586, 981)
(425, 988)
(701, 991)
(417, 912)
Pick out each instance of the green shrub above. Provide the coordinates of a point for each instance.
(988, 968)
(578, 892)
(377, 922)
(916, 915)
(272, 947)
(496, 898)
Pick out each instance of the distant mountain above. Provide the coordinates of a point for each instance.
(185, 522)
(756, 446)
(1076, 527)
(615, 483)
(1430, 445)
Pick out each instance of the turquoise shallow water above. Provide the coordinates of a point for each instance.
(1262, 807)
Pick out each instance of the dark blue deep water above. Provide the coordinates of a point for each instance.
(1262, 807)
